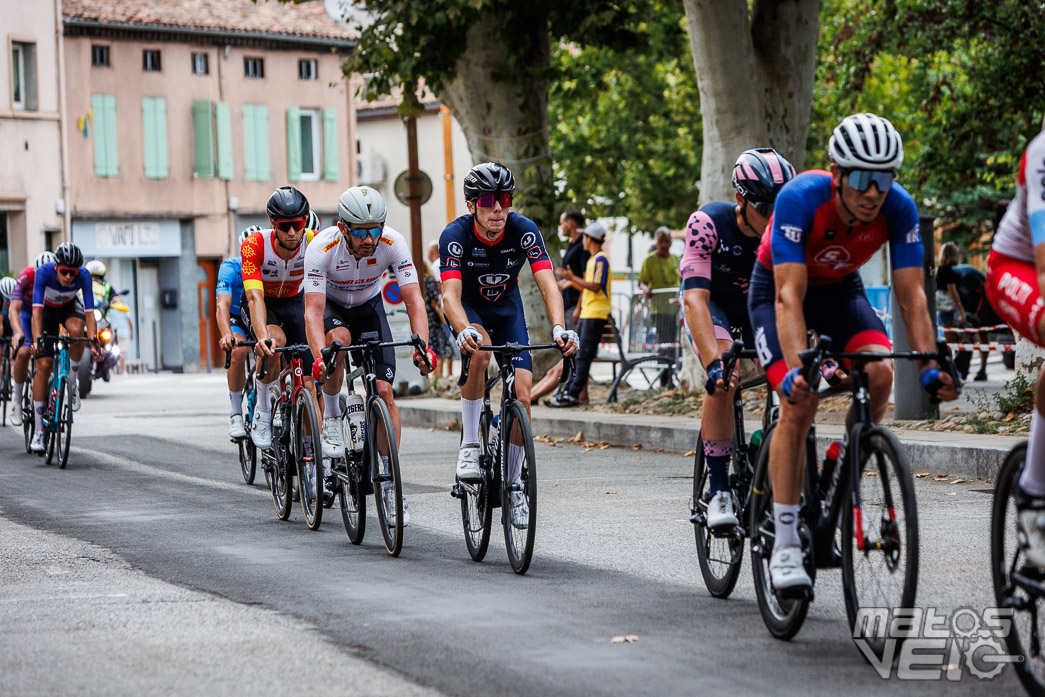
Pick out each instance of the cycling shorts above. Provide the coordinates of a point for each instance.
(26, 319)
(368, 317)
(729, 318)
(7, 327)
(1013, 291)
(240, 327)
(838, 310)
(505, 323)
(289, 315)
(55, 318)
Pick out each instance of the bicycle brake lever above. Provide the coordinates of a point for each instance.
(568, 370)
(228, 359)
(327, 353)
(466, 360)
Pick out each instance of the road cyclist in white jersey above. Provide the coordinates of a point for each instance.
(344, 265)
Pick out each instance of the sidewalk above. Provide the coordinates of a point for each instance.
(969, 455)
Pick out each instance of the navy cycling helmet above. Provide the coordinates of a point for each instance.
(758, 175)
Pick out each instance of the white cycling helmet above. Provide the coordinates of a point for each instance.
(247, 232)
(866, 141)
(7, 287)
(97, 268)
(361, 204)
(314, 221)
(43, 258)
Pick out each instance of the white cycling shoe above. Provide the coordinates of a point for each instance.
(520, 510)
(16, 414)
(720, 510)
(390, 508)
(787, 570)
(261, 431)
(74, 395)
(468, 464)
(37, 444)
(236, 430)
(333, 439)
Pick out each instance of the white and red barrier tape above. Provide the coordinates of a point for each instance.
(982, 347)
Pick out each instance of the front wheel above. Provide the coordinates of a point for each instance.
(720, 554)
(880, 540)
(28, 415)
(476, 511)
(308, 451)
(384, 464)
(84, 374)
(519, 486)
(63, 433)
(5, 384)
(353, 500)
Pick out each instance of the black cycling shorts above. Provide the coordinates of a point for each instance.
(55, 318)
(289, 315)
(368, 317)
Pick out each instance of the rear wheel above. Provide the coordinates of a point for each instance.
(476, 511)
(519, 485)
(5, 383)
(64, 428)
(248, 453)
(388, 487)
(280, 483)
(353, 500)
(49, 417)
(308, 451)
(28, 415)
(84, 374)
(720, 554)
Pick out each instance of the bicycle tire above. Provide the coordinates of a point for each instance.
(518, 542)
(476, 511)
(719, 557)
(1006, 557)
(49, 417)
(386, 484)
(895, 486)
(248, 453)
(281, 485)
(308, 453)
(28, 413)
(5, 384)
(64, 430)
(783, 617)
(353, 500)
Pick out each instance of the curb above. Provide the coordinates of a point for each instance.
(968, 455)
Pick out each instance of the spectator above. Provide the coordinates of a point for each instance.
(961, 302)
(433, 260)
(594, 310)
(661, 270)
(437, 337)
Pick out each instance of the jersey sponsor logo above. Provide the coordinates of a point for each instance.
(836, 256)
(478, 252)
(452, 263)
(792, 232)
(508, 251)
(492, 293)
(479, 264)
(371, 261)
(493, 285)
(456, 249)
(315, 284)
(331, 245)
(389, 373)
(913, 237)
(511, 262)
(385, 240)
(528, 240)
(492, 279)
(534, 253)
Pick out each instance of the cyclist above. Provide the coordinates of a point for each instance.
(7, 289)
(721, 242)
(273, 271)
(825, 225)
(344, 265)
(55, 303)
(21, 318)
(315, 223)
(1015, 271)
(481, 255)
(228, 296)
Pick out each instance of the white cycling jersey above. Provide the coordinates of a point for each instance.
(1023, 226)
(330, 267)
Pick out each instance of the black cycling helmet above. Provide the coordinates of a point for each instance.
(758, 175)
(287, 203)
(68, 255)
(488, 178)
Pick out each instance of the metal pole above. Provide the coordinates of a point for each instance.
(912, 402)
(413, 183)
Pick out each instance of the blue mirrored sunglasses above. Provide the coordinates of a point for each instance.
(365, 232)
(861, 179)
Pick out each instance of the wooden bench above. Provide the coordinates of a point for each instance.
(624, 362)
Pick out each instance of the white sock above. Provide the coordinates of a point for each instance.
(470, 411)
(331, 405)
(262, 406)
(1032, 481)
(786, 516)
(516, 453)
(38, 409)
(17, 395)
(236, 401)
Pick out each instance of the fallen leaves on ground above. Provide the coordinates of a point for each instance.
(690, 453)
(922, 474)
(624, 639)
(577, 438)
(941, 477)
(959, 481)
(636, 446)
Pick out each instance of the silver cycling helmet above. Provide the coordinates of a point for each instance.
(866, 141)
(247, 232)
(7, 287)
(43, 258)
(361, 204)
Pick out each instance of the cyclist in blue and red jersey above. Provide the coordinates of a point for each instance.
(57, 289)
(825, 225)
(481, 255)
(228, 297)
(20, 313)
(721, 241)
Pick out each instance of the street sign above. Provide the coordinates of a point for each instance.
(392, 294)
(402, 191)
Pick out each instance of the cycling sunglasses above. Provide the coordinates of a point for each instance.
(291, 225)
(67, 271)
(489, 200)
(363, 233)
(861, 179)
(764, 208)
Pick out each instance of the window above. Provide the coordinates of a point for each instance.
(200, 64)
(254, 67)
(154, 119)
(103, 118)
(307, 69)
(151, 60)
(99, 56)
(256, 142)
(23, 76)
(304, 144)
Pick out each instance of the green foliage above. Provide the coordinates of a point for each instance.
(1017, 397)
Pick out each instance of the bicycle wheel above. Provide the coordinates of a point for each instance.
(388, 487)
(64, 427)
(476, 511)
(1014, 578)
(353, 500)
(720, 554)
(783, 617)
(518, 539)
(5, 383)
(884, 572)
(308, 451)
(248, 453)
(28, 415)
(49, 425)
(280, 483)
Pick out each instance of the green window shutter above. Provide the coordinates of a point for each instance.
(250, 138)
(154, 120)
(224, 127)
(203, 136)
(294, 144)
(330, 169)
(162, 164)
(113, 166)
(101, 162)
(261, 135)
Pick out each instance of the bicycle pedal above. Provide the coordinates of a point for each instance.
(456, 491)
(798, 593)
(698, 519)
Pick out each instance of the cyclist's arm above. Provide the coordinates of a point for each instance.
(223, 303)
(452, 307)
(38, 323)
(92, 325)
(258, 315)
(13, 310)
(252, 254)
(695, 274)
(791, 280)
(415, 310)
(315, 306)
(698, 319)
(552, 297)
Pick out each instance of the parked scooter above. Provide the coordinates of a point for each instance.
(107, 355)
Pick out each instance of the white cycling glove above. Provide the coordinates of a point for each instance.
(566, 334)
(468, 331)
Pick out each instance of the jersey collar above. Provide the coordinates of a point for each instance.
(488, 243)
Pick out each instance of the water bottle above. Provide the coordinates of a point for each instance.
(756, 443)
(354, 410)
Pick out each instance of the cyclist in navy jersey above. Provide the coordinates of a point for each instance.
(481, 255)
(721, 241)
(825, 225)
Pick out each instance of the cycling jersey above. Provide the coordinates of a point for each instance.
(718, 255)
(489, 271)
(1023, 226)
(24, 286)
(806, 229)
(349, 282)
(265, 270)
(230, 282)
(48, 291)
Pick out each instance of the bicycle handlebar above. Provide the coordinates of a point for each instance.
(228, 352)
(371, 342)
(512, 349)
(732, 356)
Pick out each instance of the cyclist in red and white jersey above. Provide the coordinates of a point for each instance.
(1015, 287)
(20, 313)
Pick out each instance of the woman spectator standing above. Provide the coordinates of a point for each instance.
(437, 335)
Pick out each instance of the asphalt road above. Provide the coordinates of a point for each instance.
(148, 565)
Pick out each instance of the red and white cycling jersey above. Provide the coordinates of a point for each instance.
(1023, 226)
(265, 270)
(350, 282)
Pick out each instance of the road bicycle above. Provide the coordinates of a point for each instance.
(58, 414)
(296, 448)
(248, 453)
(5, 379)
(498, 486)
(720, 551)
(1019, 586)
(878, 546)
(371, 460)
(26, 403)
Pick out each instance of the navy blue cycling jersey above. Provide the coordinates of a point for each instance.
(230, 282)
(48, 291)
(489, 271)
(718, 255)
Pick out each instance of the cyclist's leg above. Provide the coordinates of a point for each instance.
(472, 390)
(75, 319)
(716, 418)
